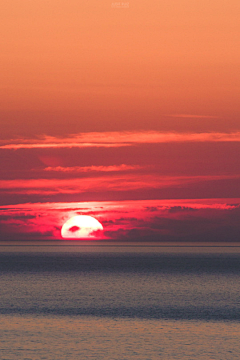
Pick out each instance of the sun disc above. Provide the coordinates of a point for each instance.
(80, 227)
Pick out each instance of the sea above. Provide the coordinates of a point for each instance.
(102, 301)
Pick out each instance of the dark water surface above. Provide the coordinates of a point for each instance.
(143, 303)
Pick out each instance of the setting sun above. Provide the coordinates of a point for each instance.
(80, 227)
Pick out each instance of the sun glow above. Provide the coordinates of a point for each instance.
(81, 227)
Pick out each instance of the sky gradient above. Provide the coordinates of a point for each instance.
(127, 113)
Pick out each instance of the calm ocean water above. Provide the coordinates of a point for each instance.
(119, 302)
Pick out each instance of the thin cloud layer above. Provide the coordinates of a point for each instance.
(118, 139)
(100, 183)
(110, 168)
(192, 116)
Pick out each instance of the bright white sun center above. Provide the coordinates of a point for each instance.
(81, 226)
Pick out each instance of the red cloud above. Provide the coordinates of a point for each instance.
(119, 139)
(115, 183)
(110, 168)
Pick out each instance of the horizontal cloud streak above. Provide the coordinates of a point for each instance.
(193, 116)
(111, 168)
(119, 139)
(102, 183)
(126, 205)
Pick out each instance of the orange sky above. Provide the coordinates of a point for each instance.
(85, 63)
(101, 103)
